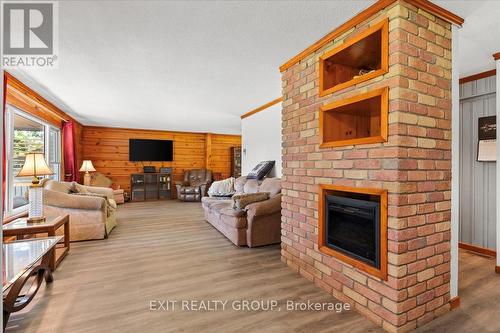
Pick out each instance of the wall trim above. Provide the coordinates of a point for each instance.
(33, 102)
(152, 130)
(363, 16)
(454, 303)
(477, 249)
(261, 108)
(478, 76)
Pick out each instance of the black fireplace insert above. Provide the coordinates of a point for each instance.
(353, 228)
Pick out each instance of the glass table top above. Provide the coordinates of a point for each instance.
(23, 223)
(19, 256)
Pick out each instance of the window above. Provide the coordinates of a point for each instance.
(27, 134)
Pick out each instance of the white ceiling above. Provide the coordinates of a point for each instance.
(199, 65)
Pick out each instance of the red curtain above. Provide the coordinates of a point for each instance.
(4, 154)
(71, 172)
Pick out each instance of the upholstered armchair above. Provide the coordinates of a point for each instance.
(194, 185)
(91, 210)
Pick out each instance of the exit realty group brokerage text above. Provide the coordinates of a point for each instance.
(246, 305)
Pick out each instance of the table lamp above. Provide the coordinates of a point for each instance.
(35, 166)
(87, 167)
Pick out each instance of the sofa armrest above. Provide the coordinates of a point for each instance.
(267, 207)
(63, 200)
(264, 222)
(108, 192)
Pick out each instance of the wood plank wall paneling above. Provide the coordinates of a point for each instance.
(108, 147)
(108, 150)
(29, 101)
(221, 153)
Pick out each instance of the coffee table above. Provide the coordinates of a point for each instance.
(21, 228)
(25, 265)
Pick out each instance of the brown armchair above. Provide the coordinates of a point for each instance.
(194, 186)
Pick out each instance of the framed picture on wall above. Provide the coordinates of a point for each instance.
(487, 143)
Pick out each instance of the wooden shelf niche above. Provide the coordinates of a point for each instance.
(361, 58)
(361, 119)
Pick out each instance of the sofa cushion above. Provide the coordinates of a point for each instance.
(232, 212)
(251, 186)
(223, 204)
(271, 185)
(209, 201)
(239, 184)
(240, 201)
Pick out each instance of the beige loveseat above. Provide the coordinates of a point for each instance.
(257, 224)
(92, 214)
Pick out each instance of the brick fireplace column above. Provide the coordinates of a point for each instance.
(412, 163)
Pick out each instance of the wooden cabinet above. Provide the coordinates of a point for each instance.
(235, 162)
(151, 186)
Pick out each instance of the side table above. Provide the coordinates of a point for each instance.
(22, 229)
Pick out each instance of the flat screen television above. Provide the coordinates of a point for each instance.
(150, 150)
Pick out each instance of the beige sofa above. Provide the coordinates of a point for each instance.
(92, 214)
(256, 225)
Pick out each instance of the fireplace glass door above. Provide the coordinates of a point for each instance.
(353, 228)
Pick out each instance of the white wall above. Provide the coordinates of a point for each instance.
(261, 139)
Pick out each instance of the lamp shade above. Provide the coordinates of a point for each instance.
(87, 166)
(35, 165)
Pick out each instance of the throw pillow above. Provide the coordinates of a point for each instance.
(261, 170)
(240, 201)
(222, 188)
(80, 188)
(63, 187)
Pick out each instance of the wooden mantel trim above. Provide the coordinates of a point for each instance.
(366, 14)
(263, 107)
(496, 56)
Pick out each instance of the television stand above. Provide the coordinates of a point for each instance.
(151, 186)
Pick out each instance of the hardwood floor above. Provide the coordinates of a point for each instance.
(479, 290)
(166, 251)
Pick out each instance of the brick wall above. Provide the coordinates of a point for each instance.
(414, 165)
